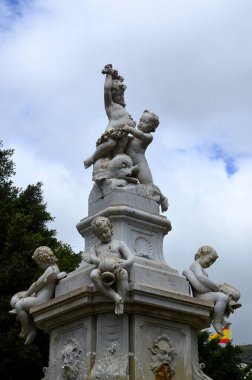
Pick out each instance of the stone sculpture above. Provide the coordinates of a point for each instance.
(225, 297)
(71, 359)
(121, 137)
(115, 139)
(163, 362)
(113, 260)
(137, 145)
(115, 172)
(40, 291)
(95, 333)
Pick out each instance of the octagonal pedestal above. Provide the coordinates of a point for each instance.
(158, 330)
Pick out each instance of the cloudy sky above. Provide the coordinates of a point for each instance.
(190, 61)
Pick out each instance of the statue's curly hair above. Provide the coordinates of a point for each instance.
(44, 254)
(204, 250)
(100, 221)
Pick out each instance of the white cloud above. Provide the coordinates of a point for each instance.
(188, 61)
(64, 193)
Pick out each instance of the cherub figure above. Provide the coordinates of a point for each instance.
(40, 291)
(206, 289)
(113, 260)
(115, 139)
(137, 145)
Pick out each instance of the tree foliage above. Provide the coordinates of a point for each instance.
(221, 363)
(23, 227)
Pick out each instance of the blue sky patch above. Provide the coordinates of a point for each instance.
(12, 2)
(15, 10)
(218, 153)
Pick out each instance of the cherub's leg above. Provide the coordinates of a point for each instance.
(122, 283)
(121, 145)
(122, 288)
(23, 307)
(107, 291)
(220, 302)
(219, 309)
(163, 200)
(225, 321)
(32, 334)
(164, 203)
(100, 152)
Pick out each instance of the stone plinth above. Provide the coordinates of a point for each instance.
(135, 220)
(158, 310)
(88, 317)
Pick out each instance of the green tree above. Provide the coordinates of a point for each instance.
(221, 363)
(23, 227)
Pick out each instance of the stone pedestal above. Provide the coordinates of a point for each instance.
(160, 320)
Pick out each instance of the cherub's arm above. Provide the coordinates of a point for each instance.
(91, 258)
(202, 278)
(49, 274)
(145, 137)
(128, 257)
(108, 70)
(194, 282)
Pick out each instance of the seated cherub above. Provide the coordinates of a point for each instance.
(113, 260)
(40, 291)
(224, 296)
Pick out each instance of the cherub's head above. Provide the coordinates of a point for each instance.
(206, 256)
(148, 122)
(102, 228)
(117, 90)
(43, 256)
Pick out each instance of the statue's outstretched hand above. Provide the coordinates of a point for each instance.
(108, 69)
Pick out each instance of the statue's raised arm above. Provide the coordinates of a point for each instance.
(114, 140)
(111, 79)
(114, 89)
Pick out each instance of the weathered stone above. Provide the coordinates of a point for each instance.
(154, 334)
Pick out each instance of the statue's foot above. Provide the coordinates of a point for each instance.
(119, 308)
(218, 327)
(119, 305)
(164, 204)
(22, 334)
(13, 312)
(88, 162)
(31, 336)
(226, 322)
(61, 275)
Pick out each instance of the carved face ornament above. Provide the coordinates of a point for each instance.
(163, 363)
